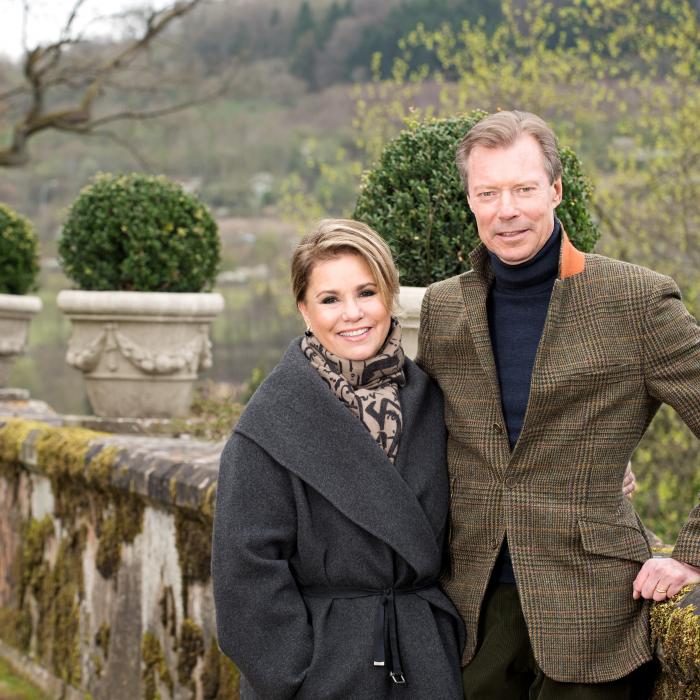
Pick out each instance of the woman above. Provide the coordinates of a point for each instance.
(332, 500)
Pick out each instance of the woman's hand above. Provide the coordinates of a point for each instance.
(629, 483)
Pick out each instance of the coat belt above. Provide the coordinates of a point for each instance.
(386, 632)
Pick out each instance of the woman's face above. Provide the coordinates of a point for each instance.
(344, 309)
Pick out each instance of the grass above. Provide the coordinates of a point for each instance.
(16, 687)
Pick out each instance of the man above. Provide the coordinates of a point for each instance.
(552, 364)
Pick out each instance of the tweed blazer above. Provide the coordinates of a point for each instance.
(306, 499)
(617, 341)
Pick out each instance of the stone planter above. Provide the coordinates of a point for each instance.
(139, 351)
(16, 312)
(410, 300)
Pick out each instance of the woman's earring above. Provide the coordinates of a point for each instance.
(308, 331)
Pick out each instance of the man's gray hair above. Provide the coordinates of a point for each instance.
(501, 130)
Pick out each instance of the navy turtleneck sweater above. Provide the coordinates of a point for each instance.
(517, 308)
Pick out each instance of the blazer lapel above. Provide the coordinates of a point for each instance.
(306, 429)
(475, 289)
(555, 334)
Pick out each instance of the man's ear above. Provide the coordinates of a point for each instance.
(559, 191)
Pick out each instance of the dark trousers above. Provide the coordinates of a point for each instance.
(504, 667)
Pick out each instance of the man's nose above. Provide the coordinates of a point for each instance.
(508, 206)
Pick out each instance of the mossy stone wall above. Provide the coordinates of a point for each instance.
(104, 569)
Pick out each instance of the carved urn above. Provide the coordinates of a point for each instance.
(16, 311)
(140, 352)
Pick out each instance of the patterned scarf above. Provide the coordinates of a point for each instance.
(369, 388)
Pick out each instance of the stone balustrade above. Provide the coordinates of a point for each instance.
(105, 588)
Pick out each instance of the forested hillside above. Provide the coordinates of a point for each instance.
(297, 72)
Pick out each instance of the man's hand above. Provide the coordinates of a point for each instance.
(629, 483)
(659, 579)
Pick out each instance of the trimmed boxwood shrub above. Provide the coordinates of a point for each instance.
(415, 199)
(19, 259)
(139, 233)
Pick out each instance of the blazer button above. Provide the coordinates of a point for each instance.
(511, 482)
(494, 543)
(498, 427)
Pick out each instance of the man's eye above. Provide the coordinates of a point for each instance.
(528, 189)
(486, 195)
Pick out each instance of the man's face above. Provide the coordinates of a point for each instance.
(512, 199)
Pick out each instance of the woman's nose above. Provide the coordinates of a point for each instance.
(352, 310)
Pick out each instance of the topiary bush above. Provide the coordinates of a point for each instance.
(140, 233)
(415, 199)
(19, 259)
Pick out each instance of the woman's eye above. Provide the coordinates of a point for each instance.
(367, 293)
(328, 300)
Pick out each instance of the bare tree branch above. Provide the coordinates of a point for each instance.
(59, 64)
(13, 92)
(66, 32)
(142, 161)
(155, 113)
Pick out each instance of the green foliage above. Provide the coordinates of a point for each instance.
(142, 233)
(385, 37)
(257, 377)
(667, 475)
(14, 686)
(19, 264)
(212, 417)
(415, 199)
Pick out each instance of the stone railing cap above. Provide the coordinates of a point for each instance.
(75, 301)
(22, 303)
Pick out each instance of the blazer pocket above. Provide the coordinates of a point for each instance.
(613, 540)
(611, 373)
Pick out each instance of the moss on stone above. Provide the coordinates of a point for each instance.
(190, 647)
(120, 525)
(63, 450)
(167, 611)
(172, 489)
(193, 541)
(16, 627)
(675, 627)
(99, 658)
(13, 434)
(101, 466)
(209, 501)
(154, 667)
(62, 454)
(220, 677)
(62, 602)
(102, 638)
(33, 566)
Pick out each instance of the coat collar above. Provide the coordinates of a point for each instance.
(571, 261)
(303, 427)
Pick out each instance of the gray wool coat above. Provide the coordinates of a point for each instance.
(307, 502)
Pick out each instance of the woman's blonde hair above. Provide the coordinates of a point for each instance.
(333, 237)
